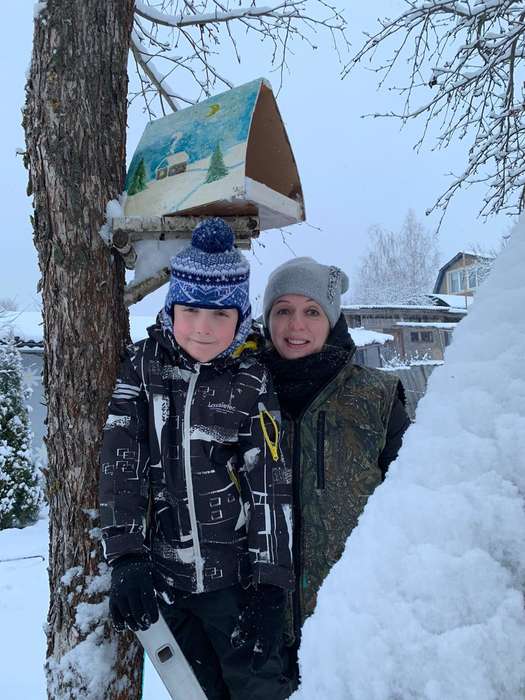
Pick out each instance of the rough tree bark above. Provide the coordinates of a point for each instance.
(75, 124)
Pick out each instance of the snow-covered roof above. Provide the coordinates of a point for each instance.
(410, 307)
(25, 325)
(456, 301)
(427, 324)
(362, 337)
(28, 329)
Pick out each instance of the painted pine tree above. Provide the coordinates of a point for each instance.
(138, 181)
(217, 168)
(19, 489)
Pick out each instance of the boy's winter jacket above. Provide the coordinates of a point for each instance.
(191, 469)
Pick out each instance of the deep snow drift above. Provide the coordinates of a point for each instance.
(427, 601)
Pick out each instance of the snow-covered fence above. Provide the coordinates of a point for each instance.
(415, 380)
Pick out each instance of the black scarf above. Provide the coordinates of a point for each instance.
(298, 382)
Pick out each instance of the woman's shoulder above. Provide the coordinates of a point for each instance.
(352, 376)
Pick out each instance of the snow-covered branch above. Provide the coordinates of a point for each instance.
(466, 69)
(185, 20)
(199, 29)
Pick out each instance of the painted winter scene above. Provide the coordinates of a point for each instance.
(375, 487)
(194, 156)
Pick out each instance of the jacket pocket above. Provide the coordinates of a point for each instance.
(321, 423)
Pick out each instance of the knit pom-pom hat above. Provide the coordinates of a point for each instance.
(211, 274)
(305, 276)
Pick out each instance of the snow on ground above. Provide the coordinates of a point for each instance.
(23, 609)
(427, 600)
(24, 597)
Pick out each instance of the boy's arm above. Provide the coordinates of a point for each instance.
(266, 488)
(124, 464)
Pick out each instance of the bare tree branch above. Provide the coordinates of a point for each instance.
(198, 29)
(470, 57)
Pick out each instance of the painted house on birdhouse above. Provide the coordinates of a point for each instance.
(227, 156)
(173, 164)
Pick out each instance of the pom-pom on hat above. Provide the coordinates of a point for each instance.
(211, 274)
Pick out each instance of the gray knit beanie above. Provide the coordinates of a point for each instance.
(322, 283)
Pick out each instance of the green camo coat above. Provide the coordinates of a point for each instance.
(334, 447)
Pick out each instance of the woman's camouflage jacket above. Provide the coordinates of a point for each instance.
(334, 448)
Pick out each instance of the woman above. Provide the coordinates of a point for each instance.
(342, 424)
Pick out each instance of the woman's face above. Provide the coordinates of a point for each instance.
(298, 326)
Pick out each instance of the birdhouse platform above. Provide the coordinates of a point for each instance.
(165, 235)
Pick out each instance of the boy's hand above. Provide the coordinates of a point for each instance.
(132, 598)
(261, 623)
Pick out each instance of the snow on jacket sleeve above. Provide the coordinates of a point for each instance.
(266, 488)
(124, 466)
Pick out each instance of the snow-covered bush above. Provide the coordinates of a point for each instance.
(19, 488)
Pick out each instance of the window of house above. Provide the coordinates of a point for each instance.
(414, 337)
(463, 279)
(448, 338)
(427, 337)
(455, 281)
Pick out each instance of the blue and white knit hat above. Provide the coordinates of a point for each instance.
(211, 274)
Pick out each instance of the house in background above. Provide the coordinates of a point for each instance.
(420, 334)
(463, 274)
(417, 331)
(371, 346)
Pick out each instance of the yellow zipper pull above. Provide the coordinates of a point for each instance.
(272, 444)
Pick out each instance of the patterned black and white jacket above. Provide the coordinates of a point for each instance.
(192, 471)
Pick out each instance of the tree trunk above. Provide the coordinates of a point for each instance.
(75, 124)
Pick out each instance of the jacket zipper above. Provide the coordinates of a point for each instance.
(320, 450)
(297, 548)
(199, 563)
(297, 539)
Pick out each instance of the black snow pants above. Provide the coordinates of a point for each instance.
(203, 624)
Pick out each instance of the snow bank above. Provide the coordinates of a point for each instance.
(427, 600)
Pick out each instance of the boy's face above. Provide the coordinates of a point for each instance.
(204, 333)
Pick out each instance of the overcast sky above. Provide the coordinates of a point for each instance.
(355, 172)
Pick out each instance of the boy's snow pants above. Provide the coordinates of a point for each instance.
(203, 624)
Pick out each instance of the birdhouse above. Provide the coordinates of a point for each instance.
(228, 156)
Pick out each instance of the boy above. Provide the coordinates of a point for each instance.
(195, 501)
